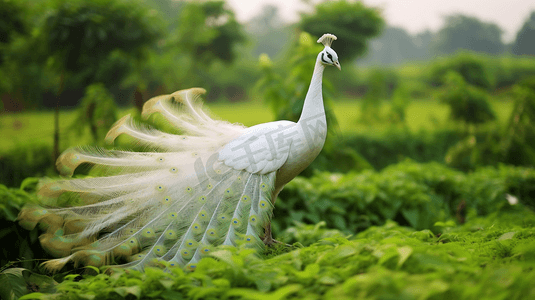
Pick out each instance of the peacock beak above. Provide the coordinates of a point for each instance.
(337, 64)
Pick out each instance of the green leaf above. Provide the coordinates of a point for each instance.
(12, 284)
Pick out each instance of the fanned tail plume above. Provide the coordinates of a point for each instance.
(174, 203)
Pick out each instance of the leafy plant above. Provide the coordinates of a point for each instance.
(467, 103)
(417, 195)
(351, 22)
(491, 257)
(97, 111)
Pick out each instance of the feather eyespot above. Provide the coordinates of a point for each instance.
(148, 233)
(263, 186)
(166, 200)
(160, 159)
(263, 204)
(238, 178)
(253, 219)
(159, 250)
(209, 186)
(132, 242)
(203, 214)
(185, 253)
(248, 238)
(191, 267)
(189, 189)
(196, 228)
(191, 243)
(223, 217)
(235, 222)
(173, 170)
(212, 232)
(160, 188)
(170, 234)
(173, 215)
(245, 198)
(202, 199)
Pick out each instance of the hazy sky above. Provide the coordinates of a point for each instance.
(415, 15)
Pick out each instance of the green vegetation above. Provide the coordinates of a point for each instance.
(425, 188)
(475, 238)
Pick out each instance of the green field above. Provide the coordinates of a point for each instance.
(38, 127)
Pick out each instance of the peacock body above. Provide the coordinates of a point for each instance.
(213, 184)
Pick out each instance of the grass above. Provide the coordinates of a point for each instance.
(38, 127)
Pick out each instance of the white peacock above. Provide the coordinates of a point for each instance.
(215, 184)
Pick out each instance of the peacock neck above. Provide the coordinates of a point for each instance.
(313, 105)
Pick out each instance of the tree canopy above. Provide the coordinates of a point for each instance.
(464, 32)
(525, 38)
(352, 22)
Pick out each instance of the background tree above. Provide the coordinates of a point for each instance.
(464, 32)
(269, 33)
(392, 47)
(83, 37)
(467, 103)
(207, 31)
(204, 34)
(12, 22)
(525, 38)
(351, 22)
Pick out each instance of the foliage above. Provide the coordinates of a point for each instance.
(19, 245)
(352, 22)
(518, 143)
(198, 51)
(464, 32)
(524, 43)
(492, 258)
(380, 85)
(17, 282)
(12, 22)
(394, 46)
(467, 103)
(471, 67)
(400, 101)
(97, 111)
(25, 160)
(381, 150)
(207, 30)
(82, 34)
(418, 195)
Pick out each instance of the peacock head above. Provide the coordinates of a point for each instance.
(328, 56)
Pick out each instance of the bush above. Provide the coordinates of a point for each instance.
(23, 244)
(470, 66)
(418, 195)
(356, 151)
(467, 103)
(23, 161)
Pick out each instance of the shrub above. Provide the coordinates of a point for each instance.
(23, 161)
(468, 104)
(418, 195)
(470, 66)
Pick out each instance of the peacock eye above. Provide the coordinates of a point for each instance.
(330, 56)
